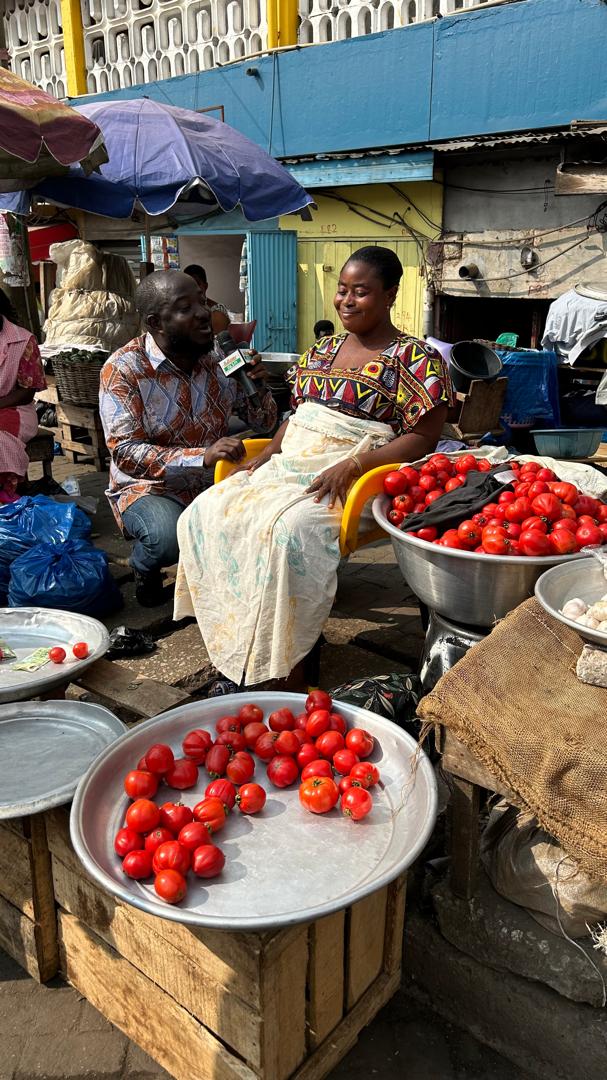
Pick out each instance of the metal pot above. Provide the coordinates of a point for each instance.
(471, 589)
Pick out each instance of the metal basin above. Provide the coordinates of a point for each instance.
(471, 589)
(276, 363)
(584, 579)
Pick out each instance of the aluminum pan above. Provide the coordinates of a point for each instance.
(45, 748)
(29, 628)
(584, 579)
(283, 866)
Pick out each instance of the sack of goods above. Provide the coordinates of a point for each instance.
(93, 304)
(72, 576)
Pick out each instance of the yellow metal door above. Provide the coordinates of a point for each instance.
(319, 264)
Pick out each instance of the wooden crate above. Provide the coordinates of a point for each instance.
(234, 1006)
(28, 922)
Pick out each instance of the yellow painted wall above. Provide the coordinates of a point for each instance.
(336, 230)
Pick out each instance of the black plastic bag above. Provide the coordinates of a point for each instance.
(456, 506)
(125, 641)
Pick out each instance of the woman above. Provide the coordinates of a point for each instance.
(220, 320)
(21, 374)
(259, 552)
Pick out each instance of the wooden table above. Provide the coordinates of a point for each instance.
(71, 421)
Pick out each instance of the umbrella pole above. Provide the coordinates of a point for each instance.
(147, 266)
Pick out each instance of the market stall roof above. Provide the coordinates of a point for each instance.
(40, 136)
(161, 155)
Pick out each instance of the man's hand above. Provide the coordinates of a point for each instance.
(229, 449)
(335, 482)
(256, 371)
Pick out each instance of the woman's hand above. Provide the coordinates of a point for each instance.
(335, 482)
(257, 462)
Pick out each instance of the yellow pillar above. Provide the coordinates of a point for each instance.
(73, 44)
(287, 22)
(272, 10)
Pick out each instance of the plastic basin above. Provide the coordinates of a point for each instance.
(470, 360)
(567, 442)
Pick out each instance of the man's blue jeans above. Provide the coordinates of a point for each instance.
(151, 523)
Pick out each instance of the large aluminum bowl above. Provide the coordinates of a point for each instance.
(584, 579)
(468, 588)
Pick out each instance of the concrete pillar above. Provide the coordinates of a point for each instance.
(73, 43)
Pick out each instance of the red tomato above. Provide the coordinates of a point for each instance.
(506, 497)
(366, 774)
(347, 782)
(440, 461)
(241, 768)
(469, 533)
(442, 477)
(532, 542)
(395, 483)
(395, 517)
(318, 699)
(337, 723)
(57, 655)
(140, 784)
(174, 816)
(170, 886)
(428, 469)
(428, 533)
(127, 840)
(282, 771)
(307, 754)
(318, 794)
(427, 482)
(547, 506)
(403, 503)
(329, 743)
(319, 720)
(490, 508)
(563, 542)
(513, 531)
(222, 789)
(252, 732)
(519, 510)
(318, 767)
(534, 522)
(250, 714)
(183, 774)
(141, 764)
(360, 741)
(138, 864)
(530, 466)
(545, 474)
(484, 465)
(419, 508)
(465, 464)
(601, 513)
(587, 535)
(251, 798)
(522, 490)
(301, 721)
(603, 531)
(537, 488)
(433, 495)
(265, 747)
(356, 803)
(585, 519)
(452, 540)
(197, 744)
(157, 837)
(410, 474)
(143, 815)
(281, 720)
(159, 758)
(454, 483)
(208, 861)
(301, 736)
(480, 519)
(80, 650)
(172, 856)
(228, 723)
(344, 761)
(417, 494)
(500, 512)
(567, 524)
(586, 505)
(495, 540)
(216, 761)
(212, 813)
(567, 493)
(234, 740)
(193, 836)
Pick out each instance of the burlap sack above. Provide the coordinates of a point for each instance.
(517, 704)
(529, 868)
(98, 319)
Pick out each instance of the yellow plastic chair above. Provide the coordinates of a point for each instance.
(367, 486)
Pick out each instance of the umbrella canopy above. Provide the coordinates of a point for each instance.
(159, 154)
(40, 136)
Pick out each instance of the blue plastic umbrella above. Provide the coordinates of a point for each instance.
(160, 154)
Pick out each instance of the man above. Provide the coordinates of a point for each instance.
(323, 328)
(165, 405)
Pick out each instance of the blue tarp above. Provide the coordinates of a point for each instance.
(533, 394)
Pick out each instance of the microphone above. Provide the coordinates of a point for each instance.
(235, 367)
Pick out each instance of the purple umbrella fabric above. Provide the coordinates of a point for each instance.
(159, 154)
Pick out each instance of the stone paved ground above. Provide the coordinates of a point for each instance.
(52, 1033)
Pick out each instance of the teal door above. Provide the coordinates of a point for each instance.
(272, 266)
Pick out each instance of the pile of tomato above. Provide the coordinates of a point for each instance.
(542, 515)
(168, 840)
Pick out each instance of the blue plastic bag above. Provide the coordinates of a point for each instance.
(532, 395)
(37, 519)
(73, 576)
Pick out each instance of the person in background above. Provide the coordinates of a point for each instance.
(21, 375)
(165, 405)
(220, 320)
(258, 553)
(323, 328)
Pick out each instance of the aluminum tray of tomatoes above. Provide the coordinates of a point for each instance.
(254, 810)
(542, 515)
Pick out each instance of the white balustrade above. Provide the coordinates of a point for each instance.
(132, 42)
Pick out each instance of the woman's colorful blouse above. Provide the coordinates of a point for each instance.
(401, 384)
